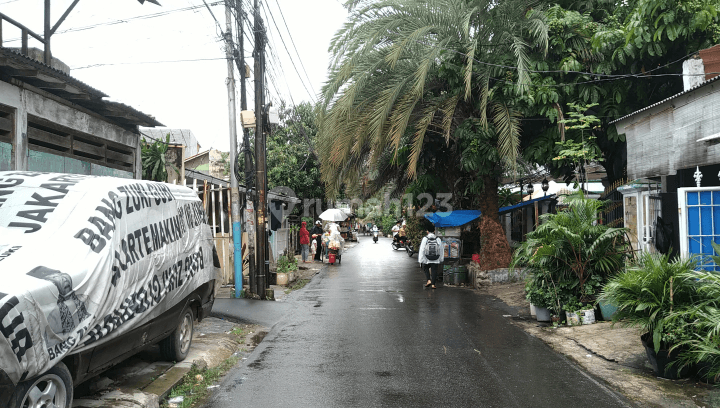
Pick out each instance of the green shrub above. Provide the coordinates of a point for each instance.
(573, 251)
(700, 323)
(286, 263)
(649, 292)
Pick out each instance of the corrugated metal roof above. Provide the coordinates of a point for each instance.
(47, 69)
(82, 94)
(709, 81)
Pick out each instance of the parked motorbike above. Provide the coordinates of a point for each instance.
(375, 236)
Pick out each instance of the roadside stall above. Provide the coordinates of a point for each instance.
(448, 227)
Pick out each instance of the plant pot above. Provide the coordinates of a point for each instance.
(282, 279)
(587, 316)
(662, 360)
(555, 320)
(532, 310)
(542, 314)
(291, 277)
(572, 318)
(607, 310)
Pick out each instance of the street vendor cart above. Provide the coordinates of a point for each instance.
(333, 244)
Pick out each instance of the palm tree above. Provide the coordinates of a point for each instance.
(407, 70)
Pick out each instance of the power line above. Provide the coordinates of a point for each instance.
(293, 43)
(147, 62)
(290, 55)
(115, 22)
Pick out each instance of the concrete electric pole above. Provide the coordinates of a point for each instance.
(234, 195)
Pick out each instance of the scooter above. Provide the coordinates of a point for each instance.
(375, 236)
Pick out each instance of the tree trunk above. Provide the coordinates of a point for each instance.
(495, 251)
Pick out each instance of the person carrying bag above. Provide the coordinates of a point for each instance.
(431, 256)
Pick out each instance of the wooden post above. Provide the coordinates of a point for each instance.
(537, 220)
(24, 49)
(48, 53)
(212, 209)
(222, 223)
(205, 196)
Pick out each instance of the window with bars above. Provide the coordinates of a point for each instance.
(699, 223)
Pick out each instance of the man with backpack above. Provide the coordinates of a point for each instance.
(431, 256)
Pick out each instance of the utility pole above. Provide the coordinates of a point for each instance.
(240, 15)
(261, 262)
(234, 196)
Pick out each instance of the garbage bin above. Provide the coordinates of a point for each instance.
(459, 277)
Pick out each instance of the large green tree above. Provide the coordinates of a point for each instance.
(407, 72)
(620, 55)
(291, 158)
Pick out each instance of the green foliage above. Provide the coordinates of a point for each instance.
(386, 223)
(573, 248)
(541, 291)
(291, 160)
(696, 328)
(153, 160)
(286, 263)
(405, 72)
(648, 293)
(572, 304)
(414, 230)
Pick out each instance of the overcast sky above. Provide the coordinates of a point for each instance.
(122, 52)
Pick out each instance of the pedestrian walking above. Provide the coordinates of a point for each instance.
(304, 242)
(317, 233)
(431, 256)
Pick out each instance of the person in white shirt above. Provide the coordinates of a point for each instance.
(395, 230)
(431, 256)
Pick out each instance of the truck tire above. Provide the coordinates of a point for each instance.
(53, 388)
(176, 346)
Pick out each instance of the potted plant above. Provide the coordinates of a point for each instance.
(656, 295)
(578, 313)
(702, 345)
(286, 265)
(573, 251)
(539, 295)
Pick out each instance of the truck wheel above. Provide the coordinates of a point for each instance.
(54, 388)
(175, 347)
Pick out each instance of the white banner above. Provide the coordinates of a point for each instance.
(84, 259)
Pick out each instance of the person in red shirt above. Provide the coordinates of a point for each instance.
(304, 241)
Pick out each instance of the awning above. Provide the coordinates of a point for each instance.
(509, 208)
(452, 218)
(457, 218)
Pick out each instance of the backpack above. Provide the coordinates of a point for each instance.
(432, 250)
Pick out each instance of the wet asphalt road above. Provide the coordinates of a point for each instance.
(368, 334)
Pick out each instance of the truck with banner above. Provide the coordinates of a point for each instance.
(93, 270)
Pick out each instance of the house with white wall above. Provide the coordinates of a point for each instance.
(673, 160)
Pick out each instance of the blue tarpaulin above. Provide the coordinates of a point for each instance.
(461, 217)
(509, 208)
(452, 218)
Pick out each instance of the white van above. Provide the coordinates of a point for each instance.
(93, 270)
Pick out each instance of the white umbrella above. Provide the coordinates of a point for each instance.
(333, 214)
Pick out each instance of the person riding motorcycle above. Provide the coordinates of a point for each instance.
(402, 237)
(375, 233)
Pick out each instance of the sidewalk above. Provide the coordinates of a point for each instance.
(612, 355)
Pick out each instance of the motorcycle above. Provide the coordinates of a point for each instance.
(397, 244)
(375, 236)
